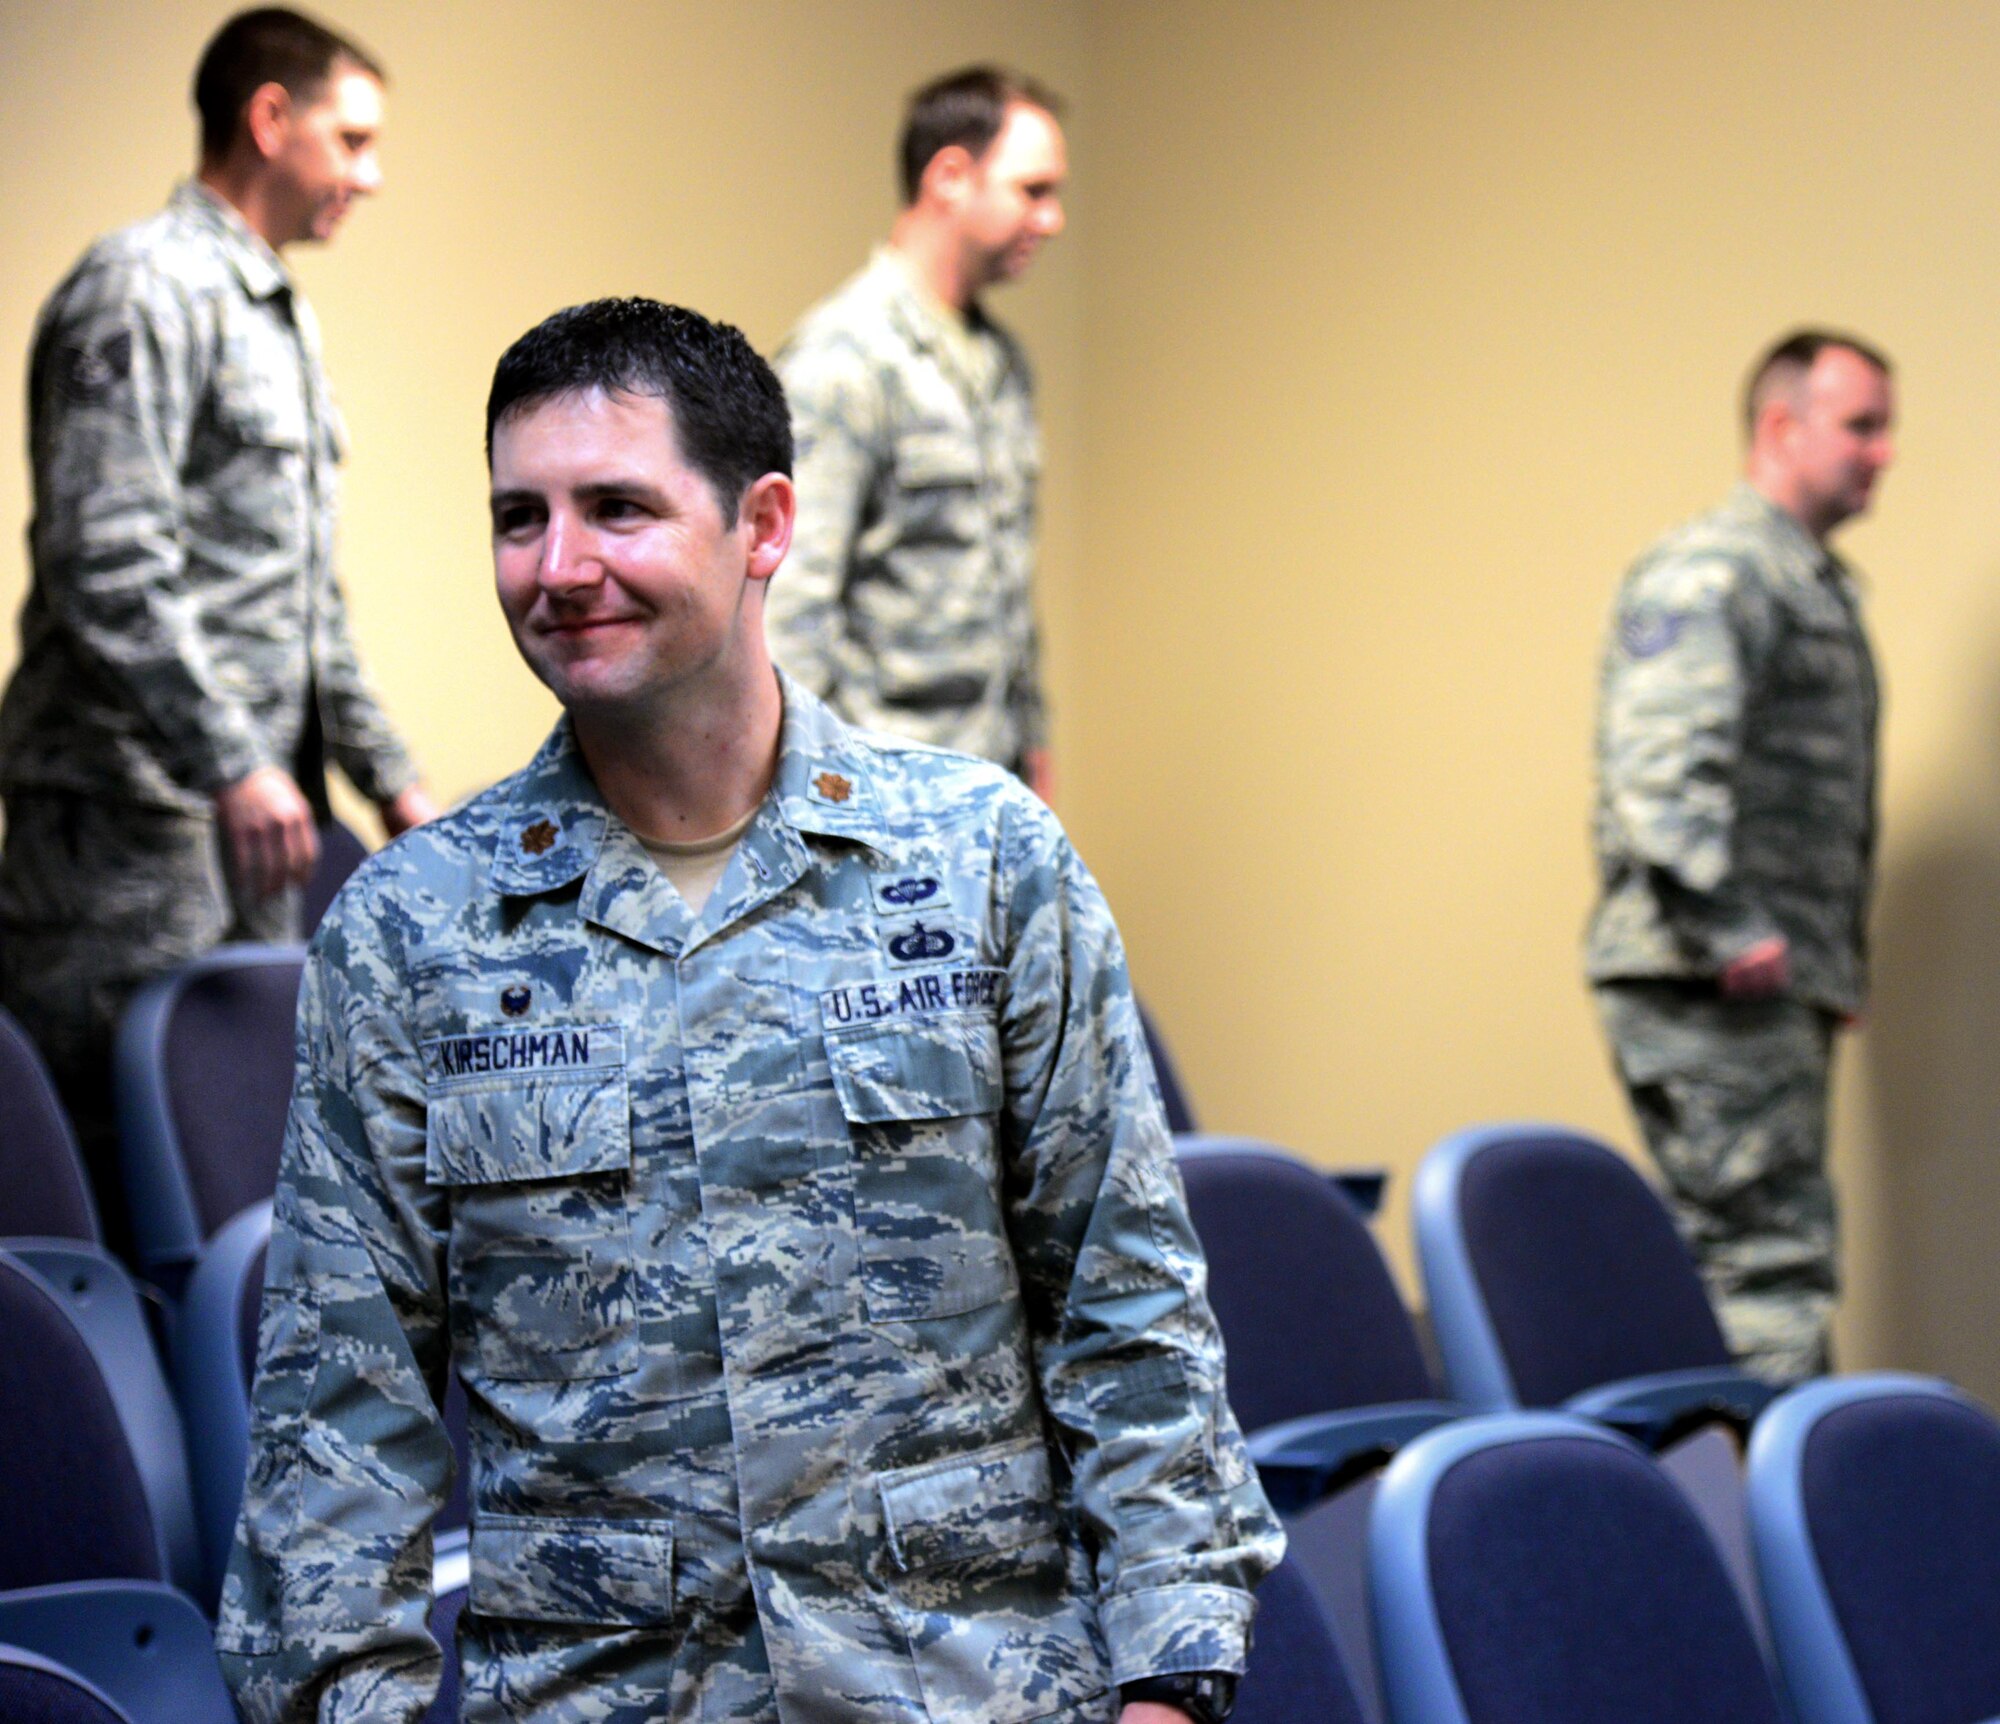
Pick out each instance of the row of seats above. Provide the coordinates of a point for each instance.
(1556, 1280)
(1554, 1275)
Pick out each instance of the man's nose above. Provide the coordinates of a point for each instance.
(367, 174)
(566, 563)
(1050, 217)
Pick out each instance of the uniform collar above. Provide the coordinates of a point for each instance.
(930, 324)
(1798, 553)
(255, 263)
(555, 829)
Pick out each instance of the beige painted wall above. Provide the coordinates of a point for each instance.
(1407, 326)
(1382, 338)
(735, 157)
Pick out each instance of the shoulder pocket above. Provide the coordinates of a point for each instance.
(928, 458)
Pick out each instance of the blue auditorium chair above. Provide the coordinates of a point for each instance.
(1295, 1674)
(145, 1646)
(1556, 1279)
(340, 853)
(214, 1364)
(98, 1541)
(204, 1078)
(1538, 1568)
(1875, 1514)
(1173, 1093)
(37, 1690)
(1326, 1374)
(90, 1446)
(46, 1193)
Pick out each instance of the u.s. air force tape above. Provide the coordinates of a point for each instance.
(911, 996)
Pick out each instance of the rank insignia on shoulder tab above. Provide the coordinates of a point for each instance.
(832, 787)
(516, 1001)
(1645, 634)
(918, 944)
(539, 838)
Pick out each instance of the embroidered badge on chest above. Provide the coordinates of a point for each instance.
(516, 1001)
(899, 894)
(922, 944)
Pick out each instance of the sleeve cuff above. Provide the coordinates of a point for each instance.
(1163, 1630)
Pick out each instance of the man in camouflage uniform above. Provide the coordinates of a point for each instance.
(184, 650)
(756, 1113)
(907, 604)
(1735, 829)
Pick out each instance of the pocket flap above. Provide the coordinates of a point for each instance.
(579, 1571)
(941, 1067)
(925, 458)
(974, 1505)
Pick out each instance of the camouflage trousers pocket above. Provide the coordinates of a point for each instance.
(583, 1572)
(994, 1601)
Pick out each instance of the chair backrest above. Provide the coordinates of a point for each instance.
(204, 1078)
(1294, 1671)
(1875, 1515)
(1173, 1093)
(1310, 1315)
(1534, 1568)
(340, 853)
(84, 1503)
(45, 1193)
(37, 1690)
(1552, 1267)
(146, 1647)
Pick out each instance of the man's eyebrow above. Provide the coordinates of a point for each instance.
(507, 499)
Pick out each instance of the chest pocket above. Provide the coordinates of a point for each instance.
(920, 1095)
(538, 1159)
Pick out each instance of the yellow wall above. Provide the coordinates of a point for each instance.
(1382, 338)
(1408, 326)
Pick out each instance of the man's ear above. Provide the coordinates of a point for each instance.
(769, 508)
(266, 118)
(947, 174)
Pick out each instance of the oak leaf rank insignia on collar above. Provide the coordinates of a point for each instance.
(538, 838)
(833, 787)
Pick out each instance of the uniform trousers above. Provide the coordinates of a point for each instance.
(98, 897)
(1731, 1097)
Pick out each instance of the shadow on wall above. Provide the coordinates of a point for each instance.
(1934, 1056)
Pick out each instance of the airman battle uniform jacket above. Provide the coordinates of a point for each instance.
(186, 451)
(907, 603)
(1736, 759)
(817, 1268)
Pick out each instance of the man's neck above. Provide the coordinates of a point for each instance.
(243, 191)
(933, 255)
(690, 768)
(1780, 495)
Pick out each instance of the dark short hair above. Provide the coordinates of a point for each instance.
(269, 45)
(727, 406)
(967, 108)
(1786, 361)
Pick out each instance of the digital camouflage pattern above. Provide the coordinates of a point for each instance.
(1731, 1100)
(1736, 801)
(906, 602)
(832, 1325)
(183, 607)
(1736, 758)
